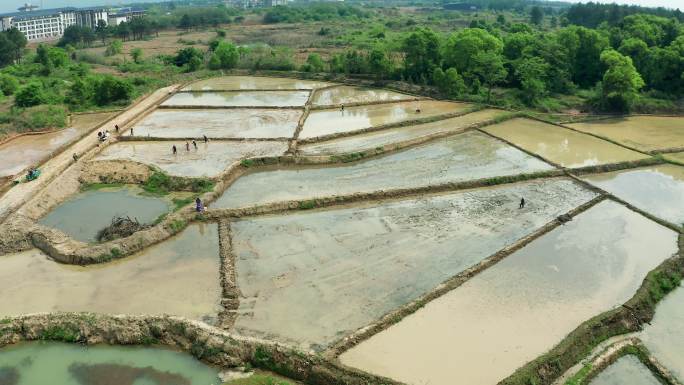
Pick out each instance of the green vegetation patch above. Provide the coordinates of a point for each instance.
(259, 379)
(161, 184)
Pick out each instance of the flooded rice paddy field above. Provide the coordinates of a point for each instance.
(228, 83)
(69, 364)
(658, 190)
(154, 281)
(314, 277)
(373, 140)
(232, 123)
(561, 146)
(208, 160)
(240, 99)
(627, 370)
(466, 156)
(85, 214)
(524, 305)
(30, 150)
(645, 133)
(350, 94)
(664, 336)
(336, 120)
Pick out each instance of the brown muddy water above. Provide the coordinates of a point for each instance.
(239, 99)
(646, 133)
(467, 156)
(253, 83)
(351, 94)
(30, 150)
(208, 160)
(520, 308)
(562, 146)
(664, 336)
(332, 121)
(310, 278)
(658, 190)
(153, 282)
(372, 140)
(53, 363)
(233, 123)
(627, 370)
(85, 214)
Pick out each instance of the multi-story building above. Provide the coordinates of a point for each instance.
(49, 24)
(256, 3)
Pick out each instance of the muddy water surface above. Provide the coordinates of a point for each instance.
(240, 99)
(521, 307)
(83, 215)
(350, 94)
(658, 190)
(664, 336)
(627, 370)
(331, 121)
(254, 83)
(54, 363)
(30, 150)
(467, 156)
(562, 146)
(155, 281)
(208, 160)
(645, 133)
(233, 123)
(376, 139)
(311, 278)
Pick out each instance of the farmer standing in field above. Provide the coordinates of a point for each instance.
(174, 149)
(522, 203)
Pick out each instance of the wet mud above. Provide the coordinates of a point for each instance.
(239, 99)
(645, 133)
(350, 94)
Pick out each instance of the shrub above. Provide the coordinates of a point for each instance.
(8, 84)
(31, 94)
(109, 89)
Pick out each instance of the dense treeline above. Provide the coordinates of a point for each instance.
(594, 14)
(12, 43)
(312, 12)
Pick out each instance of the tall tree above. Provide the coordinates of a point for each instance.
(489, 67)
(621, 81)
(462, 48)
(537, 15)
(421, 54)
(102, 30)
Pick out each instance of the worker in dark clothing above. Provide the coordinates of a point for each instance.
(205, 139)
(75, 157)
(131, 131)
(174, 149)
(187, 146)
(194, 144)
(199, 207)
(522, 203)
(116, 127)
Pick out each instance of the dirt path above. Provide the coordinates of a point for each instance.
(19, 194)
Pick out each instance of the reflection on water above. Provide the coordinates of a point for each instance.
(331, 121)
(664, 336)
(240, 99)
(627, 370)
(350, 94)
(65, 364)
(467, 156)
(645, 133)
(561, 145)
(254, 83)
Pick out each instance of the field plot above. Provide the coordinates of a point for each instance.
(20, 153)
(155, 281)
(233, 123)
(658, 190)
(627, 370)
(208, 160)
(310, 278)
(676, 157)
(228, 83)
(467, 156)
(372, 140)
(83, 215)
(561, 146)
(349, 94)
(521, 307)
(333, 121)
(239, 99)
(664, 336)
(70, 364)
(645, 133)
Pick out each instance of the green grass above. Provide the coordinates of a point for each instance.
(307, 205)
(161, 184)
(179, 203)
(99, 186)
(59, 333)
(259, 379)
(579, 377)
(178, 225)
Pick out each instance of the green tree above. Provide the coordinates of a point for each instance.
(421, 54)
(314, 63)
(449, 83)
(636, 49)
(537, 15)
(102, 30)
(583, 49)
(462, 48)
(226, 55)
(185, 22)
(7, 55)
(489, 68)
(532, 73)
(621, 81)
(183, 56)
(379, 64)
(80, 93)
(32, 94)
(115, 47)
(18, 42)
(8, 84)
(109, 89)
(194, 64)
(136, 55)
